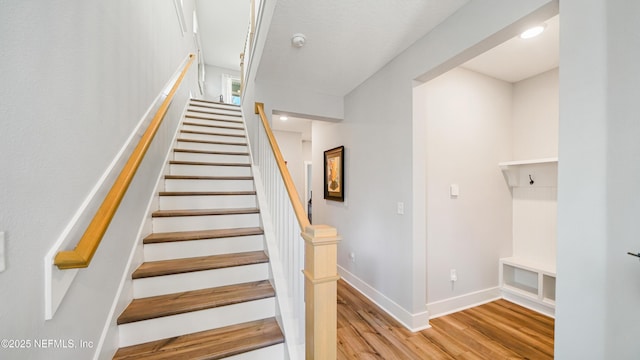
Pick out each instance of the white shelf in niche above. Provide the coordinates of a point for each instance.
(543, 172)
(530, 281)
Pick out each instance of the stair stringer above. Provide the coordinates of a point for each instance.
(290, 325)
(109, 340)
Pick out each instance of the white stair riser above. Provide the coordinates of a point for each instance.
(203, 247)
(186, 223)
(209, 137)
(267, 353)
(207, 202)
(221, 130)
(208, 185)
(209, 170)
(199, 115)
(168, 284)
(214, 147)
(169, 326)
(195, 102)
(217, 109)
(214, 122)
(216, 158)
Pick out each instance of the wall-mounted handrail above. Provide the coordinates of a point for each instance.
(81, 255)
(284, 171)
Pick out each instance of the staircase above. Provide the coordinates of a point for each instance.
(203, 291)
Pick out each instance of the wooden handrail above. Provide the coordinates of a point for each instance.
(284, 171)
(81, 255)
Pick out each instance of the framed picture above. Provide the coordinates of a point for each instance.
(334, 174)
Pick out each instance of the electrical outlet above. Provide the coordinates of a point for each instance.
(454, 275)
(400, 208)
(2, 257)
(352, 257)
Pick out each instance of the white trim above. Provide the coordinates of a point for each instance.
(529, 304)
(57, 282)
(463, 302)
(227, 87)
(307, 189)
(180, 14)
(414, 322)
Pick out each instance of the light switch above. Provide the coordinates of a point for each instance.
(454, 190)
(2, 260)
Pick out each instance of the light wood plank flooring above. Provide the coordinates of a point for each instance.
(497, 330)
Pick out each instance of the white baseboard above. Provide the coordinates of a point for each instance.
(412, 321)
(462, 302)
(529, 304)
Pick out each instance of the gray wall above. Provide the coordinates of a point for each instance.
(385, 156)
(77, 78)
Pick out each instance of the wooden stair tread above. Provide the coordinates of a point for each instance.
(214, 126)
(195, 300)
(203, 177)
(200, 263)
(210, 133)
(181, 162)
(208, 345)
(212, 142)
(204, 212)
(211, 152)
(205, 193)
(156, 238)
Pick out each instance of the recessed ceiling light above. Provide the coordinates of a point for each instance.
(284, 118)
(532, 32)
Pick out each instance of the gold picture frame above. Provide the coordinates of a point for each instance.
(334, 174)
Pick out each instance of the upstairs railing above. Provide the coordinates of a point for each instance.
(305, 257)
(81, 255)
(245, 56)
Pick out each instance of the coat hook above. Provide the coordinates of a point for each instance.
(530, 180)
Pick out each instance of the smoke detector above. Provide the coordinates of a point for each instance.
(297, 40)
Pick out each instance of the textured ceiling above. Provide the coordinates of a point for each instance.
(223, 27)
(347, 41)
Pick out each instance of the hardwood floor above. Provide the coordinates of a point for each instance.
(497, 330)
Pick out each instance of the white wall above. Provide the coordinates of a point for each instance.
(535, 129)
(306, 150)
(213, 81)
(598, 292)
(290, 144)
(468, 131)
(535, 116)
(77, 79)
